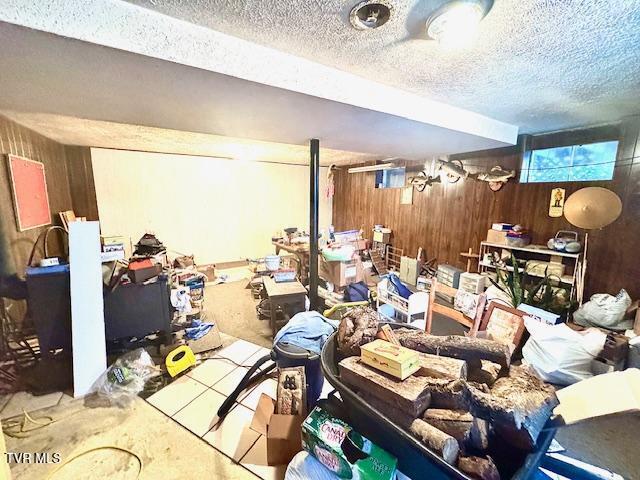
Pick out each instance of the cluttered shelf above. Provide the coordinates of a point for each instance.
(532, 249)
(568, 279)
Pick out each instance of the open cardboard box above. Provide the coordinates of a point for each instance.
(613, 393)
(283, 432)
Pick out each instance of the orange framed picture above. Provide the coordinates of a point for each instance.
(503, 324)
(30, 196)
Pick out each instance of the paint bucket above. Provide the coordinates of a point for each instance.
(273, 262)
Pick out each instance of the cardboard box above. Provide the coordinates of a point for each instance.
(381, 237)
(395, 360)
(359, 245)
(341, 274)
(500, 238)
(283, 432)
(343, 450)
(614, 393)
(409, 270)
(143, 270)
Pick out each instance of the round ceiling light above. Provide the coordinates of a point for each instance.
(456, 23)
(370, 14)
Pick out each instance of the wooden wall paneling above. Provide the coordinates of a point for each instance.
(448, 219)
(81, 182)
(15, 246)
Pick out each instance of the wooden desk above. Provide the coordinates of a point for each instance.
(292, 294)
(301, 251)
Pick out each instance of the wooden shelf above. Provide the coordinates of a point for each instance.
(568, 279)
(533, 249)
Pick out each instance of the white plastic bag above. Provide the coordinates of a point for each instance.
(305, 467)
(559, 354)
(604, 310)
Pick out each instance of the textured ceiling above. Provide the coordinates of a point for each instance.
(51, 73)
(540, 64)
(93, 133)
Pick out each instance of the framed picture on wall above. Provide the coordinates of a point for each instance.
(29, 190)
(503, 324)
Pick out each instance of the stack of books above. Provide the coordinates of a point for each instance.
(112, 248)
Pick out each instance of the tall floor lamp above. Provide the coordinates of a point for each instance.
(590, 208)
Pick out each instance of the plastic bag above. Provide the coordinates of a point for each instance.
(559, 354)
(125, 379)
(304, 467)
(604, 310)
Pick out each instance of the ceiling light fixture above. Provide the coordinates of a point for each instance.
(370, 14)
(456, 23)
(372, 168)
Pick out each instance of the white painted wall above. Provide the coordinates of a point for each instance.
(219, 210)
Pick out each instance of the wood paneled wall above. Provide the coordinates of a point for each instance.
(448, 219)
(69, 184)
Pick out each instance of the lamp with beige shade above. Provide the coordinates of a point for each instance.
(590, 208)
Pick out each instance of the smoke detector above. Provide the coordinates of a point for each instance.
(370, 14)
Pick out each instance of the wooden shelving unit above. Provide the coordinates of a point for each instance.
(570, 260)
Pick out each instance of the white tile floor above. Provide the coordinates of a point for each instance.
(193, 401)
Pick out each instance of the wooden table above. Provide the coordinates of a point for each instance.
(301, 251)
(291, 294)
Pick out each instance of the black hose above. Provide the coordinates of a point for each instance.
(244, 383)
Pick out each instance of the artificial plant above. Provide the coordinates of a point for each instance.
(544, 293)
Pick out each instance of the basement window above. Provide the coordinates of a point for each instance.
(391, 178)
(575, 163)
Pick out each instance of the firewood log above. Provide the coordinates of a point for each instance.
(484, 371)
(471, 433)
(456, 346)
(518, 406)
(410, 395)
(444, 445)
(441, 367)
(358, 326)
(479, 468)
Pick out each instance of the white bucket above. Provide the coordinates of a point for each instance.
(273, 262)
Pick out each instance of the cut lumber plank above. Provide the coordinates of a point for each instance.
(518, 406)
(441, 367)
(410, 395)
(455, 346)
(470, 432)
(444, 445)
(479, 468)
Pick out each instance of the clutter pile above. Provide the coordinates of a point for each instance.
(459, 396)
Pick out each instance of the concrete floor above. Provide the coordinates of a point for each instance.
(171, 452)
(234, 308)
(167, 450)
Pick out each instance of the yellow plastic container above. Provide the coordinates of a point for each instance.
(179, 360)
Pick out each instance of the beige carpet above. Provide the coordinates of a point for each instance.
(234, 308)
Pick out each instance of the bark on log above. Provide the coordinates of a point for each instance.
(484, 371)
(357, 327)
(396, 415)
(441, 367)
(411, 395)
(479, 468)
(444, 445)
(456, 346)
(471, 433)
(518, 406)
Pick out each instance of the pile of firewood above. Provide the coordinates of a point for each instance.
(466, 403)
